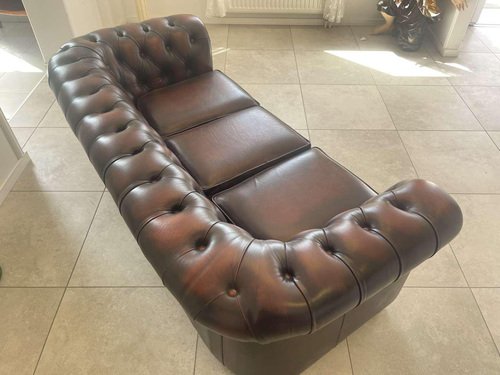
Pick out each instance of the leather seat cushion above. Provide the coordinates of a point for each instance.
(304, 192)
(192, 102)
(223, 152)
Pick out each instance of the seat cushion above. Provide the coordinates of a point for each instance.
(223, 152)
(192, 102)
(301, 193)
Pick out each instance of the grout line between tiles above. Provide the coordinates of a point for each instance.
(475, 300)
(477, 119)
(195, 353)
(67, 283)
(349, 354)
(397, 132)
(300, 86)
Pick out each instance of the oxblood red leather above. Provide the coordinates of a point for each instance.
(211, 96)
(298, 194)
(251, 300)
(224, 152)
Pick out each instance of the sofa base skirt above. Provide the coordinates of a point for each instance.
(294, 355)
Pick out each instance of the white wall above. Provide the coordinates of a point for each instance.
(356, 12)
(50, 23)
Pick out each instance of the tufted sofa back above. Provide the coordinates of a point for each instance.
(153, 54)
(227, 281)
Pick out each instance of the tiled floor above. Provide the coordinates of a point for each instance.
(77, 296)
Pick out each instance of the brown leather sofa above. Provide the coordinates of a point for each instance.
(274, 250)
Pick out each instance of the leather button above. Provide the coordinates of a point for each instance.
(288, 277)
(232, 292)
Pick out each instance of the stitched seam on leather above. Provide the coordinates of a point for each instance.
(269, 163)
(116, 158)
(312, 322)
(394, 250)
(276, 161)
(77, 124)
(202, 122)
(360, 289)
(132, 186)
(77, 45)
(426, 219)
(241, 259)
(245, 318)
(107, 134)
(195, 316)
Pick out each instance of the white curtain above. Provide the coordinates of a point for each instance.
(333, 10)
(217, 8)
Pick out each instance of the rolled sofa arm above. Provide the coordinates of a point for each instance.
(256, 290)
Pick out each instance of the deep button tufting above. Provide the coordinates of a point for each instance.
(120, 33)
(171, 23)
(232, 292)
(288, 276)
(121, 129)
(137, 150)
(155, 178)
(201, 245)
(146, 28)
(176, 208)
(192, 40)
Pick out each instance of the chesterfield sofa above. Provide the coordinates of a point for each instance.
(275, 251)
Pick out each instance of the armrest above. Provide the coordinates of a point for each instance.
(255, 290)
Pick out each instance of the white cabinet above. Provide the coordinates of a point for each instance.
(12, 159)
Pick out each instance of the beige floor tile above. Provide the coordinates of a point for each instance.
(442, 270)
(331, 67)
(471, 69)
(23, 134)
(259, 37)
(218, 36)
(460, 162)
(58, 164)
(317, 37)
(110, 255)
(377, 157)
(219, 60)
(54, 118)
(405, 68)
(35, 107)
(41, 235)
(284, 101)
(490, 36)
(304, 133)
(119, 331)
(428, 108)
(206, 363)
(488, 300)
(336, 361)
(10, 103)
(345, 107)
(26, 316)
(472, 41)
(483, 102)
(424, 332)
(476, 247)
(496, 138)
(259, 66)
(22, 82)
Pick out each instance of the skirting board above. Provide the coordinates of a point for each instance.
(13, 176)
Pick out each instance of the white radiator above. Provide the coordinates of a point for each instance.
(276, 6)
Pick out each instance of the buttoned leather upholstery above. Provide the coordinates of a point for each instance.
(270, 209)
(211, 95)
(235, 285)
(224, 152)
